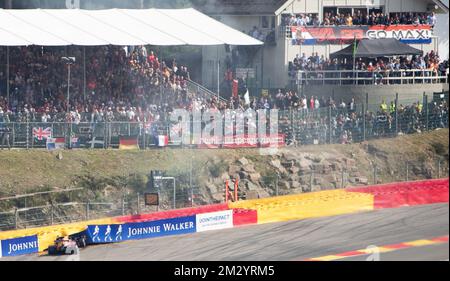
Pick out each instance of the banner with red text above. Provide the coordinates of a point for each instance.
(410, 34)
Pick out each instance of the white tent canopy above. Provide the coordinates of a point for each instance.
(124, 27)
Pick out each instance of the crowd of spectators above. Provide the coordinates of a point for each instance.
(430, 65)
(348, 122)
(122, 84)
(129, 84)
(360, 18)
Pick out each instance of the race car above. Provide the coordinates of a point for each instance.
(67, 246)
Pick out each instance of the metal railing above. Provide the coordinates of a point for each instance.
(201, 91)
(360, 77)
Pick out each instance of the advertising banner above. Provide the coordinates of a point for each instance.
(214, 221)
(175, 226)
(410, 34)
(99, 234)
(19, 246)
(105, 233)
(249, 141)
(242, 141)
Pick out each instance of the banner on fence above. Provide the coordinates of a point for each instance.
(214, 221)
(242, 141)
(40, 134)
(410, 34)
(99, 234)
(128, 142)
(105, 233)
(19, 246)
(175, 226)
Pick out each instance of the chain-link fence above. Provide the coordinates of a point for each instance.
(43, 210)
(324, 125)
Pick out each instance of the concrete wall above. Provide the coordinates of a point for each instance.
(407, 93)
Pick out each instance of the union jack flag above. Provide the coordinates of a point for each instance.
(41, 134)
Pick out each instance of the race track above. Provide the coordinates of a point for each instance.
(293, 240)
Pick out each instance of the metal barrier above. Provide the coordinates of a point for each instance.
(300, 127)
(201, 91)
(362, 77)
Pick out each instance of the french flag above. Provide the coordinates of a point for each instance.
(163, 140)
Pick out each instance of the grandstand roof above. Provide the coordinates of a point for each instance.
(239, 7)
(60, 27)
(442, 4)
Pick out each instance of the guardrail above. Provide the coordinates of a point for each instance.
(360, 77)
(201, 91)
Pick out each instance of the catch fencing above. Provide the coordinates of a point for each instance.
(299, 126)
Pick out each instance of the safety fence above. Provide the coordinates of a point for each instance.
(330, 176)
(298, 126)
(41, 209)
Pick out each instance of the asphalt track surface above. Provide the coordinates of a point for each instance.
(293, 240)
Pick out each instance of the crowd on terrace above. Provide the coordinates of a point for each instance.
(359, 18)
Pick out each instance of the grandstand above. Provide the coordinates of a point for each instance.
(319, 28)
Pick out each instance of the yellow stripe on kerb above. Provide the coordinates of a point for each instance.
(307, 205)
(422, 242)
(47, 234)
(327, 258)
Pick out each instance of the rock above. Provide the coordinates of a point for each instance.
(250, 168)
(251, 195)
(289, 156)
(354, 169)
(306, 188)
(317, 159)
(243, 161)
(287, 164)
(362, 180)
(218, 197)
(350, 162)
(255, 177)
(214, 189)
(251, 186)
(317, 181)
(305, 164)
(262, 193)
(295, 184)
(294, 170)
(284, 185)
(276, 164)
(243, 175)
(233, 169)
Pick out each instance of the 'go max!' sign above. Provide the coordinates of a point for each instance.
(130, 231)
(19, 246)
